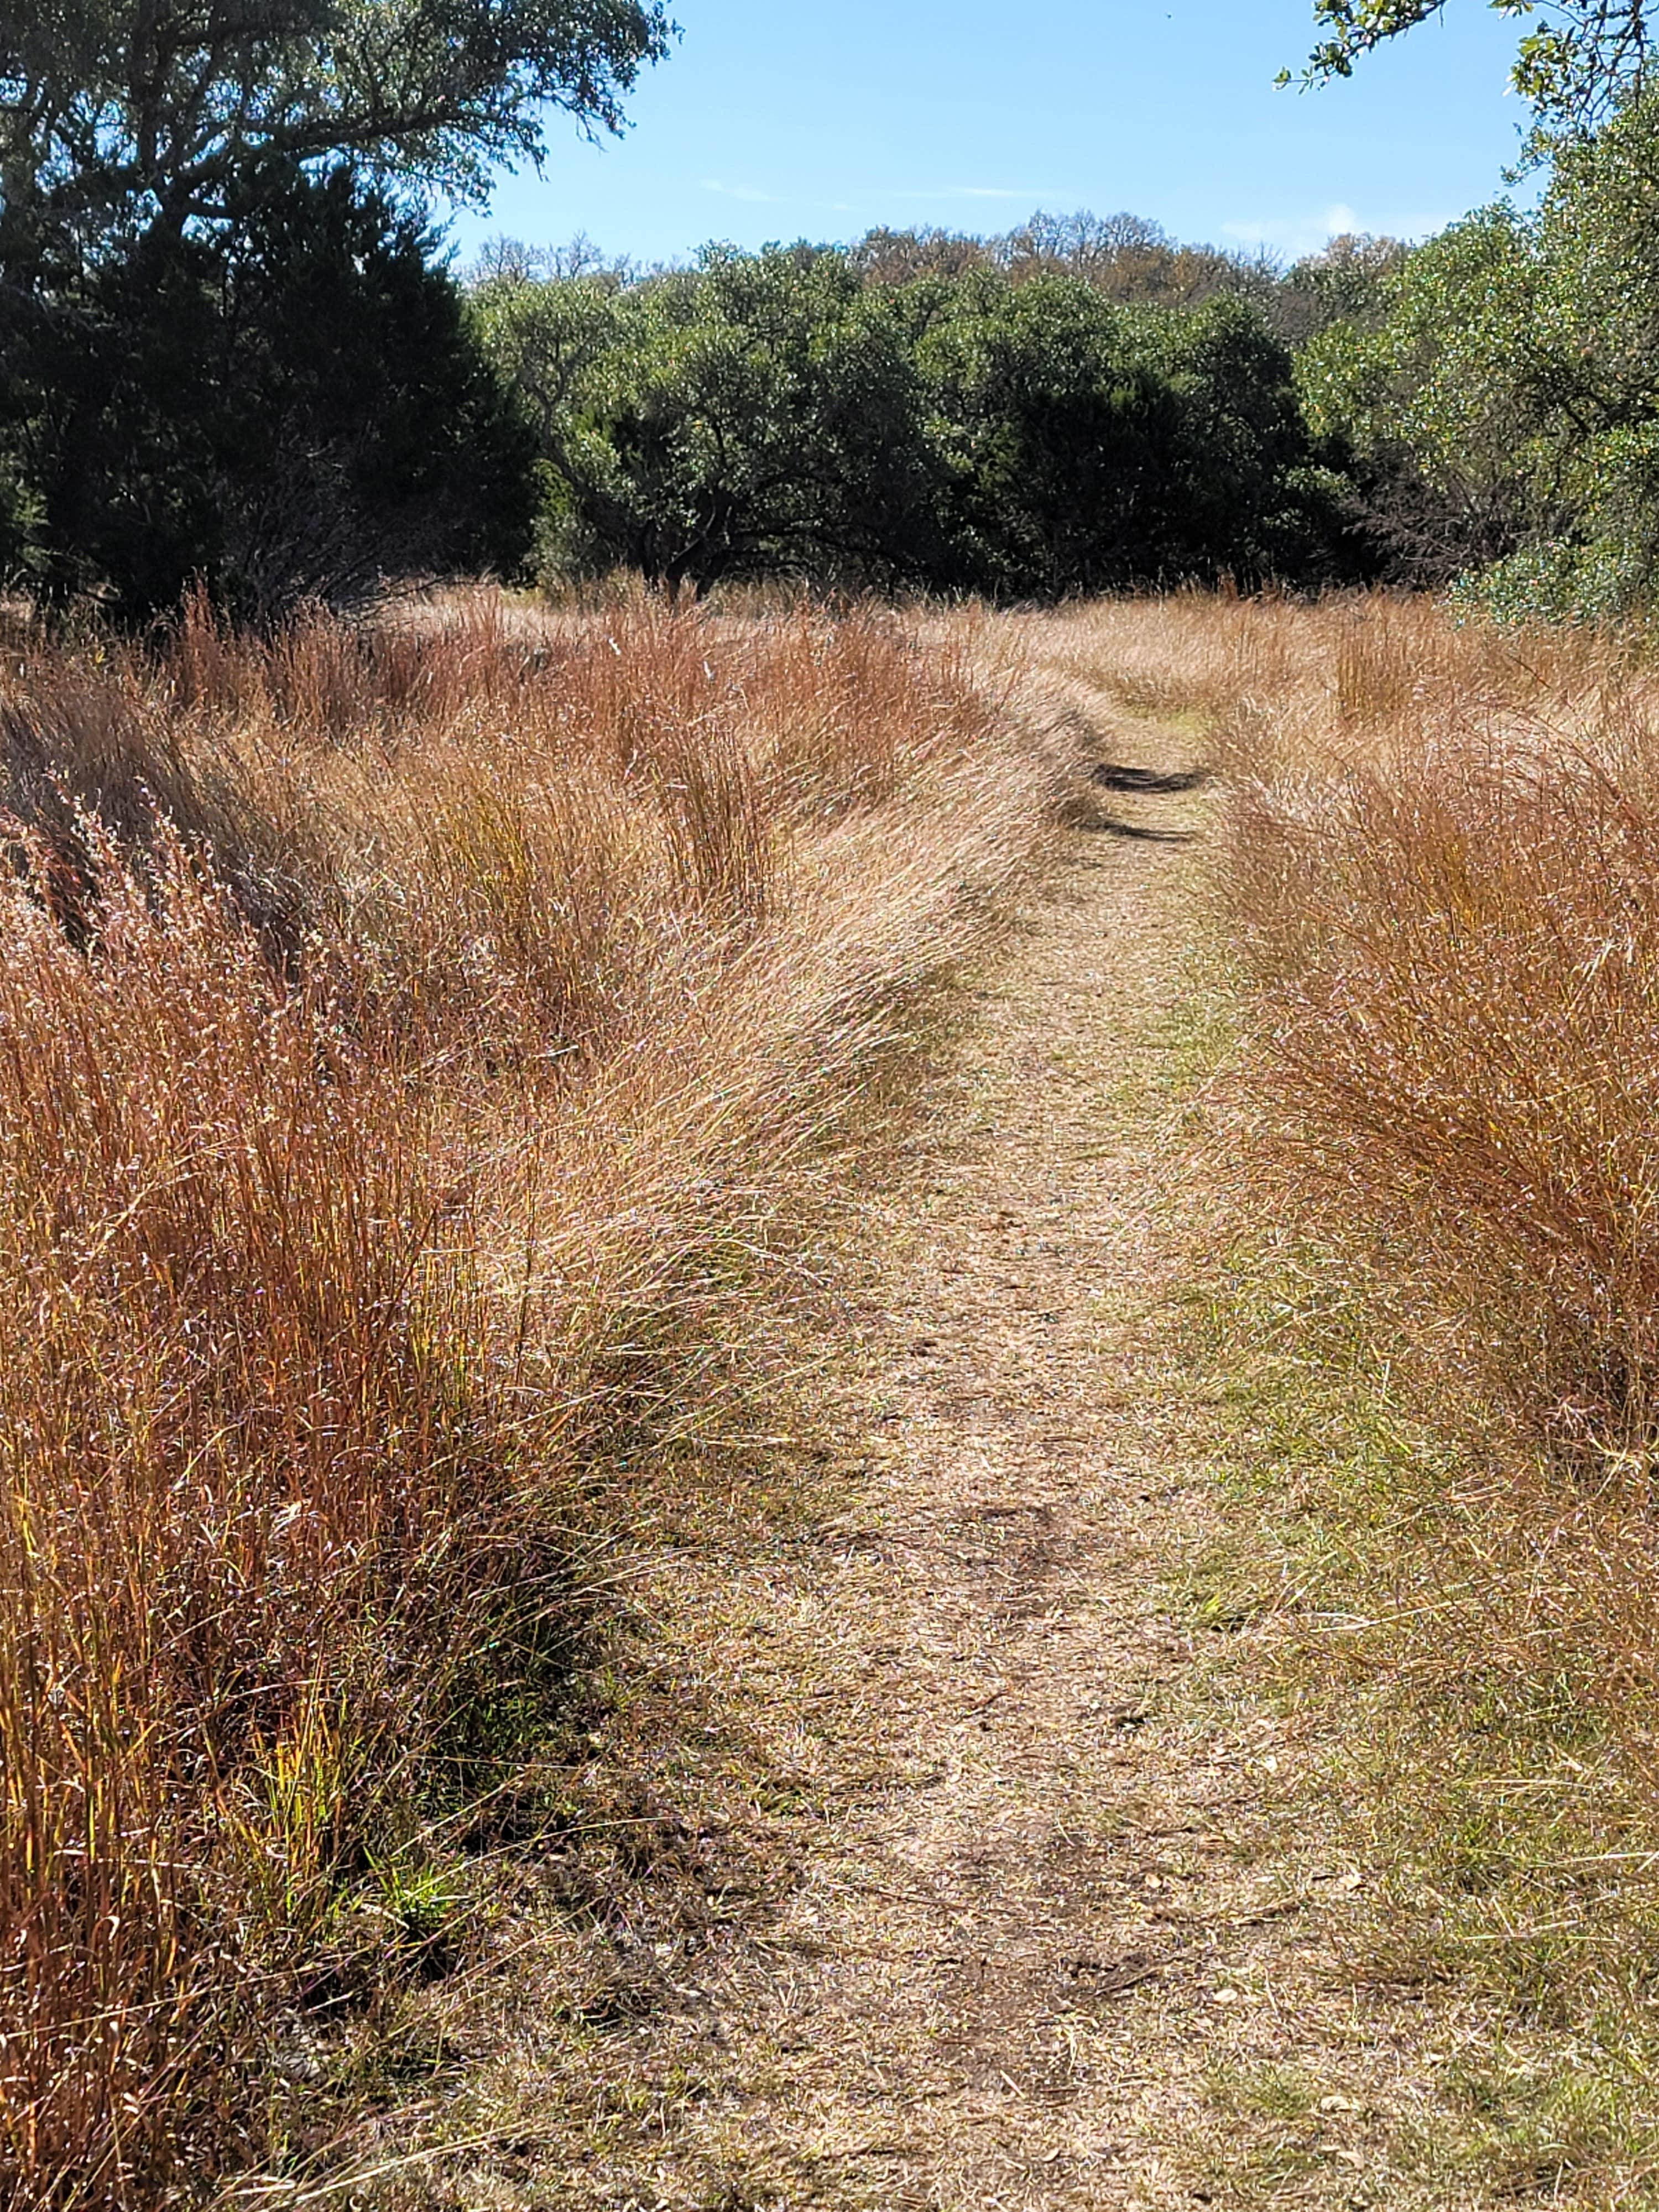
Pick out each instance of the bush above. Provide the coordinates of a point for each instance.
(292, 409)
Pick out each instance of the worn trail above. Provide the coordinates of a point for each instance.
(1042, 1910)
(1007, 1980)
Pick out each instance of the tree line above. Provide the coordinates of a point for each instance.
(923, 411)
(231, 356)
(299, 399)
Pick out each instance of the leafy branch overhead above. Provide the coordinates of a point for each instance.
(152, 110)
(1581, 61)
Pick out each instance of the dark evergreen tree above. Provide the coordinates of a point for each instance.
(293, 407)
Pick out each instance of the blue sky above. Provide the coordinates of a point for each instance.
(781, 122)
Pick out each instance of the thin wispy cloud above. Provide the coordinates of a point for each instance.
(1306, 234)
(740, 192)
(1028, 194)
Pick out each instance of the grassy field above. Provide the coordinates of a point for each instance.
(415, 1049)
(435, 1064)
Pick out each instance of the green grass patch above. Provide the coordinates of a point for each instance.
(1504, 1817)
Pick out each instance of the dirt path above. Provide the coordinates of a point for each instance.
(1010, 1979)
(1045, 1940)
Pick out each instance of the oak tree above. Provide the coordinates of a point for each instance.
(120, 112)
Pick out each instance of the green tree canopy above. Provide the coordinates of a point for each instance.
(1094, 446)
(1057, 427)
(796, 411)
(761, 414)
(223, 351)
(115, 112)
(1438, 399)
(1510, 398)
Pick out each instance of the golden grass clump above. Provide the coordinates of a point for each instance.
(409, 1038)
(1447, 888)
(1437, 872)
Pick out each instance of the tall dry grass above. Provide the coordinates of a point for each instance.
(410, 1041)
(1441, 850)
(1436, 881)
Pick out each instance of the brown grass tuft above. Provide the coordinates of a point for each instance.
(1446, 889)
(409, 1041)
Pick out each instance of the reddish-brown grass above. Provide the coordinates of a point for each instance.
(1442, 851)
(406, 1039)
(1436, 877)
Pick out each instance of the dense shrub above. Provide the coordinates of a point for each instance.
(1016, 434)
(292, 407)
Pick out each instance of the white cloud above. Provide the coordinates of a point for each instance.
(739, 192)
(1306, 234)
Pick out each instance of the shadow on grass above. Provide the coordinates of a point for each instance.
(1111, 776)
(1083, 814)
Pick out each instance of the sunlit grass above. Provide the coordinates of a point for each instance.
(412, 1045)
(1430, 1329)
